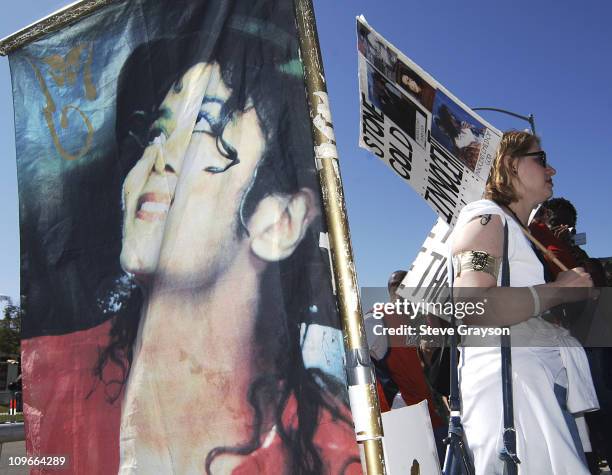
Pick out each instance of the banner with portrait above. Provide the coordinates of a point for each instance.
(179, 311)
(433, 141)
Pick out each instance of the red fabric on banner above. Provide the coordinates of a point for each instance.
(60, 418)
(64, 417)
(334, 439)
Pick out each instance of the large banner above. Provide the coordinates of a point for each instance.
(180, 316)
(433, 141)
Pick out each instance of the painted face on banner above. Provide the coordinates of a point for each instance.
(182, 197)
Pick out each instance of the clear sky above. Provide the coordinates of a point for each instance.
(551, 58)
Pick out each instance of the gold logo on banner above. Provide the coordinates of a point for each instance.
(64, 72)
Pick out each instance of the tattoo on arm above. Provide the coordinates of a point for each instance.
(484, 219)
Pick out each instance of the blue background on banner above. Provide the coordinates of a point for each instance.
(40, 193)
(549, 58)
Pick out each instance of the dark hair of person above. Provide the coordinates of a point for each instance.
(395, 279)
(561, 211)
(259, 69)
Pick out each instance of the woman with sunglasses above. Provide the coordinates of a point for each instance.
(550, 374)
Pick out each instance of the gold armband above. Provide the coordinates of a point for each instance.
(477, 261)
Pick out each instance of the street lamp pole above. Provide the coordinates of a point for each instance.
(528, 118)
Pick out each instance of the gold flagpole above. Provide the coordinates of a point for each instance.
(362, 385)
(65, 16)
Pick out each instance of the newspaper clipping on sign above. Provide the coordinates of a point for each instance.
(427, 136)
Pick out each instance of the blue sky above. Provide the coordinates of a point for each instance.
(549, 58)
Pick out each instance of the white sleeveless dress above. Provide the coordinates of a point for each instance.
(551, 356)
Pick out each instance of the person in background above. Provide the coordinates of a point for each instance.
(554, 225)
(401, 366)
(540, 229)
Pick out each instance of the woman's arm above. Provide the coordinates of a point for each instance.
(508, 306)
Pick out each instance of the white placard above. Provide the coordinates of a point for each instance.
(409, 442)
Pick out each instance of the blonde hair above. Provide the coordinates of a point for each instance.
(499, 185)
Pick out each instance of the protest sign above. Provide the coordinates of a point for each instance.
(429, 138)
(433, 141)
(427, 277)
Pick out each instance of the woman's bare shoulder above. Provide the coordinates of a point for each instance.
(482, 233)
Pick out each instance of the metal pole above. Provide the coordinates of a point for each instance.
(532, 123)
(56, 21)
(528, 118)
(361, 382)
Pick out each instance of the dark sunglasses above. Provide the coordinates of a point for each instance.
(540, 157)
